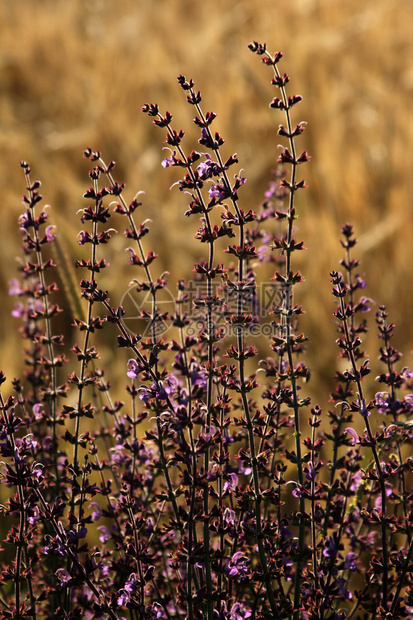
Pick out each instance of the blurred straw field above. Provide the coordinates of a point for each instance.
(76, 74)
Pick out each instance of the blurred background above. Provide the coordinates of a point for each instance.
(76, 74)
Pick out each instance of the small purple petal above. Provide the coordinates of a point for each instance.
(49, 233)
(356, 438)
(63, 576)
(133, 369)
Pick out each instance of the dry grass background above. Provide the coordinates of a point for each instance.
(75, 74)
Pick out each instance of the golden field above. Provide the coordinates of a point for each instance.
(76, 73)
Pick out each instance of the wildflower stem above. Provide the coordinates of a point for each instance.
(287, 318)
(19, 474)
(372, 442)
(50, 395)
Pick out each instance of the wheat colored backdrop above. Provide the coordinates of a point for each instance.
(76, 73)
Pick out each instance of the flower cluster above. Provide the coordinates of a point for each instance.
(215, 490)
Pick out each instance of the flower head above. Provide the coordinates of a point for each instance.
(237, 567)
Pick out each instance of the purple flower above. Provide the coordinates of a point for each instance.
(237, 567)
(311, 473)
(145, 394)
(27, 443)
(350, 562)
(47, 444)
(148, 528)
(285, 533)
(299, 490)
(172, 160)
(363, 305)
(168, 161)
(330, 551)
(406, 374)
(55, 545)
(155, 611)
(243, 468)
(127, 590)
(18, 311)
(15, 288)
(264, 253)
(142, 452)
(239, 612)
(118, 456)
(198, 379)
(97, 511)
(218, 191)
(272, 191)
(382, 402)
(355, 438)
(360, 283)
(123, 597)
(84, 237)
(343, 590)
(229, 517)
(74, 536)
(170, 385)
(208, 168)
(106, 535)
(24, 221)
(49, 233)
(38, 411)
(63, 576)
(155, 391)
(131, 584)
(133, 369)
(34, 515)
(357, 479)
(231, 483)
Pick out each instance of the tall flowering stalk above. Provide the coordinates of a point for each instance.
(40, 310)
(350, 343)
(286, 343)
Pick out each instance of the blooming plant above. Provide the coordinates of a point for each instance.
(201, 496)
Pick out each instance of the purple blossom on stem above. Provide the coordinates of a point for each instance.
(63, 576)
(354, 437)
(230, 483)
(49, 232)
(382, 400)
(128, 589)
(105, 535)
(356, 481)
(330, 550)
(169, 161)
(350, 561)
(97, 511)
(15, 288)
(237, 567)
(38, 411)
(133, 369)
(239, 612)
